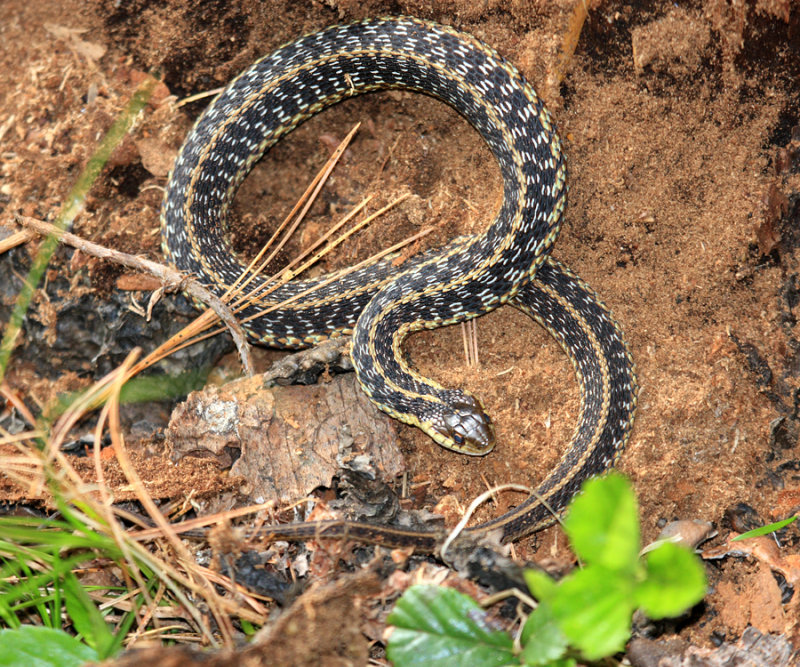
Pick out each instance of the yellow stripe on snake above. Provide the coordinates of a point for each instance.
(380, 305)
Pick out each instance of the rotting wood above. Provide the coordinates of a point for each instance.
(286, 441)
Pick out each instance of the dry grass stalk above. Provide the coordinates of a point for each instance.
(469, 336)
(49, 470)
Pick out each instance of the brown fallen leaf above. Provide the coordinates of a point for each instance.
(156, 156)
(765, 550)
(286, 441)
(89, 50)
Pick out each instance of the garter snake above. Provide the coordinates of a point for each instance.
(380, 305)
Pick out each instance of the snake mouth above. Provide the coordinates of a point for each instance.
(466, 428)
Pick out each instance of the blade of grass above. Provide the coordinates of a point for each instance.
(27, 590)
(86, 618)
(765, 530)
(29, 569)
(155, 514)
(37, 601)
(69, 210)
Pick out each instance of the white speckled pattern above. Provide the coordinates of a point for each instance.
(382, 304)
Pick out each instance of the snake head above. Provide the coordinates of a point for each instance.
(463, 427)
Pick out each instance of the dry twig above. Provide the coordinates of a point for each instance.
(169, 277)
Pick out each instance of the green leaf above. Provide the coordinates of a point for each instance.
(35, 646)
(593, 608)
(765, 530)
(561, 662)
(675, 582)
(85, 616)
(603, 524)
(123, 627)
(542, 640)
(540, 584)
(441, 627)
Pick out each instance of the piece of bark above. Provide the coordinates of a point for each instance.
(322, 627)
(306, 366)
(286, 441)
(754, 649)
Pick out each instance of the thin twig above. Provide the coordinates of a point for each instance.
(469, 336)
(337, 275)
(299, 210)
(169, 277)
(507, 593)
(70, 208)
(569, 42)
(471, 510)
(211, 596)
(199, 96)
(107, 501)
(15, 239)
(201, 522)
(7, 393)
(253, 297)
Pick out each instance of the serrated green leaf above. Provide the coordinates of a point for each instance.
(603, 524)
(542, 640)
(35, 646)
(441, 627)
(675, 581)
(540, 584)
(593, 608)
(765, 530)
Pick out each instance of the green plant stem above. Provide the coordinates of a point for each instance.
(69, 210)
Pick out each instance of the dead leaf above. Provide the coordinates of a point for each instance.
(156, 156)
(88, 50)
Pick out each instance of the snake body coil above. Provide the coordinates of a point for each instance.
(381, 304)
